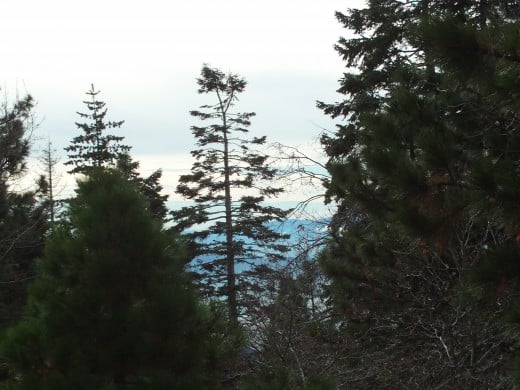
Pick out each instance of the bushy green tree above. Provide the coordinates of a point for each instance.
(425, 172)
(111, 306)
(228, 184)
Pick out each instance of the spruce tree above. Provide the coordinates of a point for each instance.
(425, 170)
(228, 183)
(94, 147)
(111, 306)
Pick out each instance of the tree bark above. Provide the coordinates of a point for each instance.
(230, 252)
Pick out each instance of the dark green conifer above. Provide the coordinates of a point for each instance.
(149, 186)
(22, 215)
(228, 183)
(425, 170)
(111, 306)
(94, 148)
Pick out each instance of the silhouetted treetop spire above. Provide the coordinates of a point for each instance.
(94, 147)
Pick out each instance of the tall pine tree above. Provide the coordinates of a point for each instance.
(228, 183)
(425, 170)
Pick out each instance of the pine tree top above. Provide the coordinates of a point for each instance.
(94, 147)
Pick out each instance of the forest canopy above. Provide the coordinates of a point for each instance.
(412, 282)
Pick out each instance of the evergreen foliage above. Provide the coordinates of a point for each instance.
(22, 215)
(111, 306)
(95, 148)
(149, 186)
(425, 171)
(14, 143)
(227, 184)
(424, 248)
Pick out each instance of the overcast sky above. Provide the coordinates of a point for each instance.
(144, 56)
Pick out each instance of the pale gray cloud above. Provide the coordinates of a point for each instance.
(145, 57)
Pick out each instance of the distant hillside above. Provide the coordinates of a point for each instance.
(303, 232)
(305, 236)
